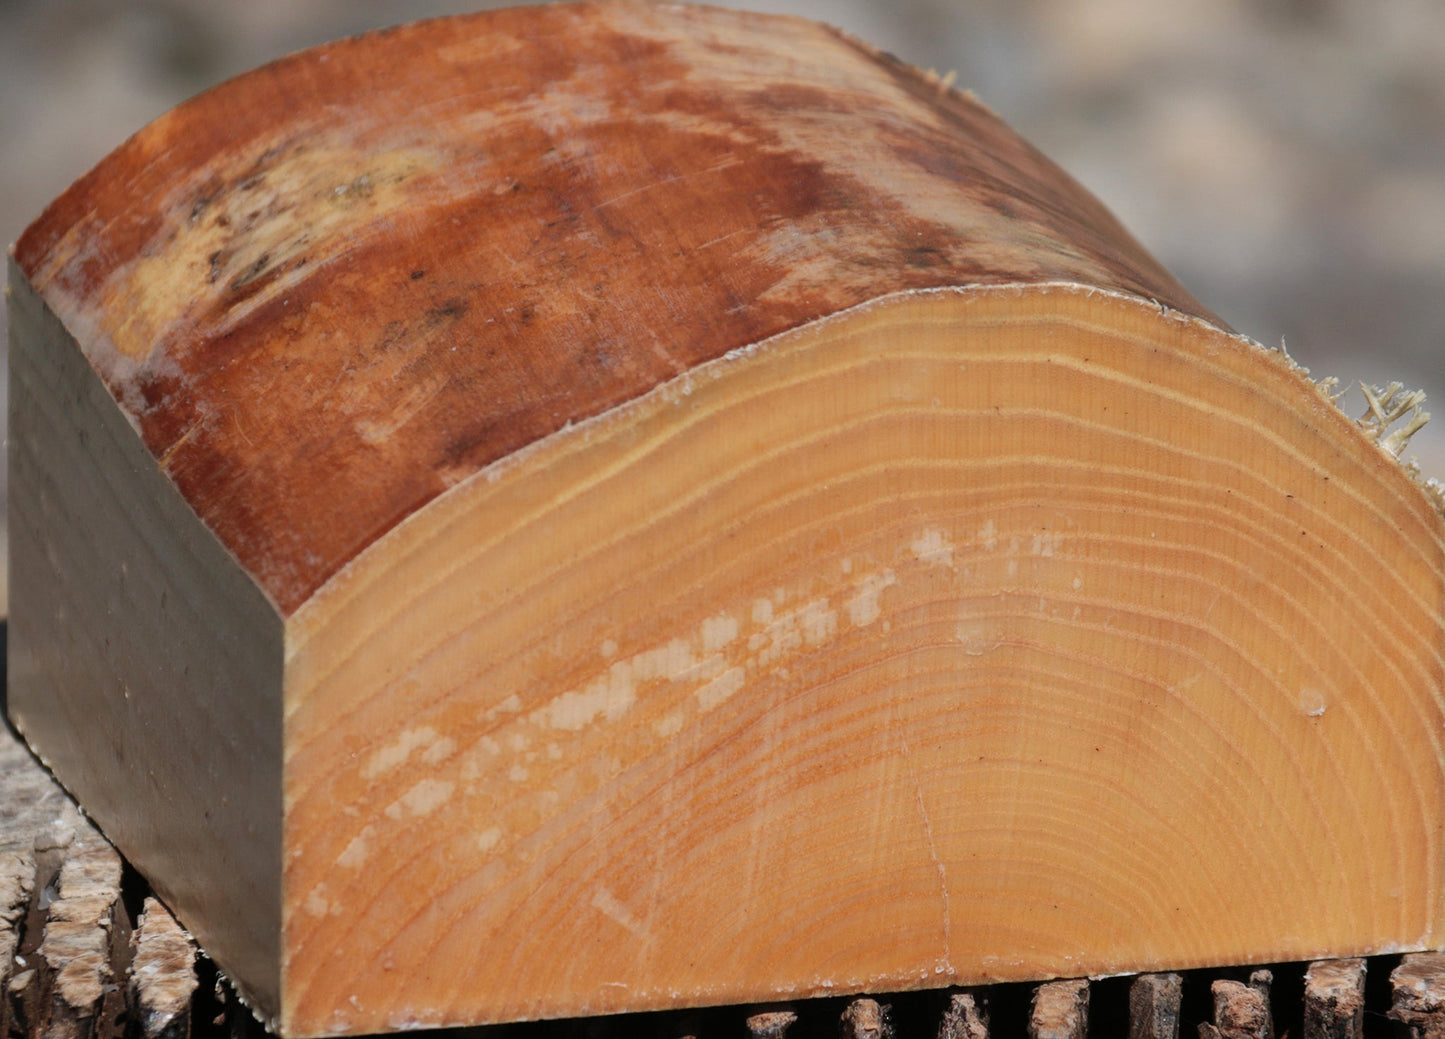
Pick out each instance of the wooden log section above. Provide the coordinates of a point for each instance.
(603, 507)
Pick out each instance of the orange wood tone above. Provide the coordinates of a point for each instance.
(972, 636)
(716, 518)
(407, 255)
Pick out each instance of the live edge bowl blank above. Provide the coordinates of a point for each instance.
(604, 507)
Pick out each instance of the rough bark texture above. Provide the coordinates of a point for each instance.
(866, 1019)
(1154, 1006)
(1240, 1011)
(964, 1018)
(1262, 981)
(771, 1024)
(34, 814)
(63, 893)
(1060, 1011)
(1418, 1007)
(162, 976)
(65, 938)
(85, 930)
(1334, 999)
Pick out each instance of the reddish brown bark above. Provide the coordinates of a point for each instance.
(332, 288)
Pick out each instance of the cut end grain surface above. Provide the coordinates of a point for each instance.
(989, 620)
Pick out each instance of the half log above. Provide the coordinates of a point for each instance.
(609, 506)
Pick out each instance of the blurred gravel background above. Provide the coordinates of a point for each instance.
(1285, 158)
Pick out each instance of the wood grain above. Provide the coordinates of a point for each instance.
(1240, 1012)
(393, 260)
(604, 507)
(1019, 585)
(162, 975)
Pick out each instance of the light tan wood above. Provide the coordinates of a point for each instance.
(1418, 996)
(162, 975)
(1060, 1010)
(70, 964)
(862, 619)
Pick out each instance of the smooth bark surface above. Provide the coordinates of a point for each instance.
(389, 262)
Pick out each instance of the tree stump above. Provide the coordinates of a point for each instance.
(70, 965)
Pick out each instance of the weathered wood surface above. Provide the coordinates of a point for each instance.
(469, 223)
(1060, 1011)
(964, 1018)
(771, 1024)
(37, 822)
(162, 975)
(1154, 1001)
(1334, 999)
(1240, 1011)
(1418, 1004)
(66, 943)
(80, 992)
(865, 1019)
(605, 463)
